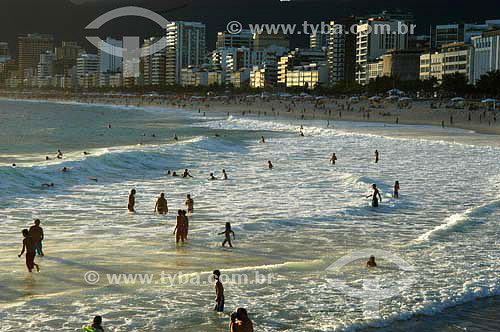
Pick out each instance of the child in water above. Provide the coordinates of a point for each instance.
(227, 233)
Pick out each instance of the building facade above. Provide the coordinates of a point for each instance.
(186, 46)
(376, 37)
(485, 54)
(29, 49)
(342, 51)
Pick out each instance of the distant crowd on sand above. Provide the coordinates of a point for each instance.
(239, 320)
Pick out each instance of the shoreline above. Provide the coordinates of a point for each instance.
(419, 112)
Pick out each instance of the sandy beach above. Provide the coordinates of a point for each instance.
(418, 112)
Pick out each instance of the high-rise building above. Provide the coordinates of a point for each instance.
(319, 40)
(87, 69)
(342, 50)
(66, 55)
(4, 52)
(374, 38)
(237, 40)
(459, 32)
(45, 65)
(110, 59)
(154, 62)
(186, 46)
(29, 49)
(485, 54)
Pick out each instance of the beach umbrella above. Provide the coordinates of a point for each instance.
(489, 100)
(375, 98)
(392, 98)
(457, 99)
(404, 99)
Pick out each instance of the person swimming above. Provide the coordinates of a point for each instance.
(47, 158)
(375, 196)
(262, 139)
(227, 234)
(186, 174)
(371, 262)
(86, 153)
(46, 185)
(174, 174)
(131, 201)
(59, 154)
(175, 137)
(270, 165)
(212, 177)
(396, 190)
(95, 326)
(64, 169)
(161, 205)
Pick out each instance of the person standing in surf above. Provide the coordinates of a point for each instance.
(36, 233)
(29, 247)
(376, 156)
(179, 227)
(269, 164)
(189, 203)
(333, 159)
(227, 233)
(161, 205)
(396, 189)
(131, 201)
(375, 196)
(219, 292)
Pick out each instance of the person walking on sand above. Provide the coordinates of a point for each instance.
(333, 159)
(29, 247)
(189, 203)
(36, 233)
(131, 201)
(375, 196)
(376, 156)
(161, 204)
(396, 189)
(227, 234)
(240, 321)
(219, 292)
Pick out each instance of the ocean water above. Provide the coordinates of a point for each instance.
(306, 225)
